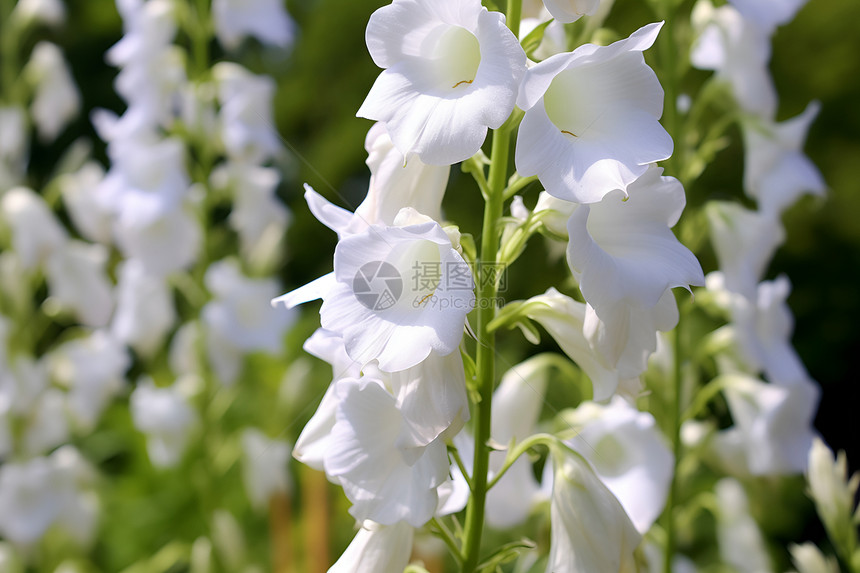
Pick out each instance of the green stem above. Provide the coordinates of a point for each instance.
(9, 43)
(486, 346)
(200, 33)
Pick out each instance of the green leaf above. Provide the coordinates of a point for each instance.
(533, 39)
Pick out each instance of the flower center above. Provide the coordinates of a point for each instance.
(458, 55)
(567, 104)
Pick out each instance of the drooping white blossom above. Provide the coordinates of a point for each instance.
(377, 549)
(564, 319)
(168, 243)
(628, 454)
(386, 484)
(592, 119)
(590, 530)
(56, 100)
(397, 182)
(265, 20)
(627, 260)
(451, 70)
(776, 171)
(91, 217)
(807, 558)
(50, 12)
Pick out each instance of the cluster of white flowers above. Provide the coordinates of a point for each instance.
(138, 241)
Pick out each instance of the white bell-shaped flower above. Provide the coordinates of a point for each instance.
(628, 454)
(377, 549)
(266, 20)
(451, 71)
(776, 171)
(49, 12)
(385, 483)
(592, 119)
(397, 182)
(29, 503)
(47, 425)
(590, 529)
(56, 101)
(564, 319)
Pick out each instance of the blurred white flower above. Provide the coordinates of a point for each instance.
(592, 119)
(247, 125)
(265, 20)
(264, 467)
(590, 530)
(768, 14)
(738, 51)
(744, 241)
(566, 11)
(163, 245)
(50, 12)
(450, 71)
(628, 454)
(14, 146)
(377, 549)
(41, 492)
(78, 281)
(740, 540)
(147, 180)
(807, 558)
(164, 415)
(775, 422)
(834, 493)
(144, 309)
(385, 483)
(91, 217)
(47, 425)
(56, 101)
(36, 232)
(92, 369)
(776, 171)
(240, 317)
(258, 217)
